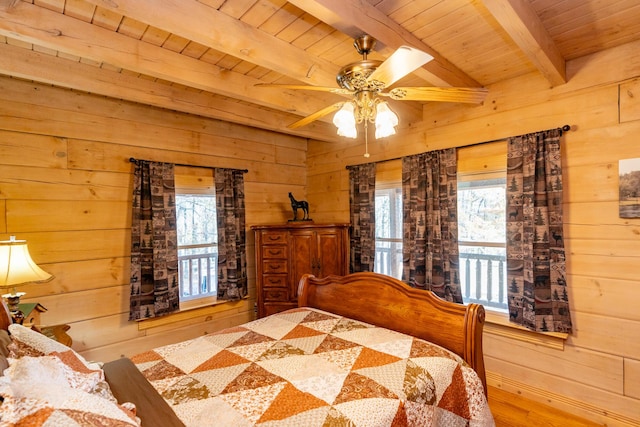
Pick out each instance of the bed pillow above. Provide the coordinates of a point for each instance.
(57, 368)
(27, 342)
(58, 390)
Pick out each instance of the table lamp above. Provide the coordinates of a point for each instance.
(16, 269)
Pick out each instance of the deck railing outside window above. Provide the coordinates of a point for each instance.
(481, 238)
(197, 266)
(389, 257)
(482, 279)
(482, 276)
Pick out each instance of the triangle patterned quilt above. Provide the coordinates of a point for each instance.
(307, 367)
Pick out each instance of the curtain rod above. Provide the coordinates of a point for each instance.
(134, 160)
(565, 128)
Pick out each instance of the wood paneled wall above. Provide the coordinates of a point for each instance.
(65, 187)
(595, 372)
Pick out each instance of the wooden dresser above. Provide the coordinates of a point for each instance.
(285, 252)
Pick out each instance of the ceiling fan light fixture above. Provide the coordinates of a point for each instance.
(367, 80)
(386, 120)
(345, 121)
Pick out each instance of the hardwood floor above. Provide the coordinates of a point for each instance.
(512, 410)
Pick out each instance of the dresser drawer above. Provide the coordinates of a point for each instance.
(274, 281)
(274, 266)
(276, 294)
(274, 237)
(271, 252)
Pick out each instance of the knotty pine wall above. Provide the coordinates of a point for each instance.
(595, 372)
(65, 187)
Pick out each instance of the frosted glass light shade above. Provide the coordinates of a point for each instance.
(345, 121)
(386, 120)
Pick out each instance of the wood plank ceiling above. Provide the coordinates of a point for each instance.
(205, 57)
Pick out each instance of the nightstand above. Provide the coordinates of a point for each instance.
(55, 332)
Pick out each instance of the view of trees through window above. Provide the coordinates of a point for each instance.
(482, 241)
(389, 232)
(197, 245)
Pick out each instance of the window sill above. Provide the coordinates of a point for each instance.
(498, 324)
(199, 303)
(191, 312)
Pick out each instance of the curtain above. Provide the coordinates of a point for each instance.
(536, 271)
(430, 223)
(230, 211)
(362, 209)
(154, 255)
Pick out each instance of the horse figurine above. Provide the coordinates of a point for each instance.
(299, 204)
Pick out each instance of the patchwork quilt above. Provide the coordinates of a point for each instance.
(306, 367)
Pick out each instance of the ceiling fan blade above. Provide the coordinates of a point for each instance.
(402, 62)
(315, 116)
(306, 87)
(443, 94)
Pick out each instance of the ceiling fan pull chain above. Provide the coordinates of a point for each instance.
(366, 140)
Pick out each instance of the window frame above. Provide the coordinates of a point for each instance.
(489, 160)
(393, 196)
(198, 182)
(488, 276)
(389, 177)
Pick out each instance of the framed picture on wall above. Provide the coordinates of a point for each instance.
(629, 188)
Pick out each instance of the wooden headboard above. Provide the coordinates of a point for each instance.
(5, 315)
(384, 301)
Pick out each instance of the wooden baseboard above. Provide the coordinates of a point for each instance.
(513, 402)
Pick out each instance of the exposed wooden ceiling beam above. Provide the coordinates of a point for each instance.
(203, 24)
(43, 68)
(209, 27)
(523, 25)
(52, 30)
(357, 17)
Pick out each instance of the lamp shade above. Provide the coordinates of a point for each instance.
(345, 121)
(386, 120)
(16, 266)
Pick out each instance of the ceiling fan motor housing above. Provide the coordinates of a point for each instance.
(354, 76)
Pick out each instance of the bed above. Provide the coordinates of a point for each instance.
(361, 350)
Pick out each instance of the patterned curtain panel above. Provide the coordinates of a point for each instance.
(537, 288)
(362, 207)
(155, 290)
(230, 210)
(430, 223)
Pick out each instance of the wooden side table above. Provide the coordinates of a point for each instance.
(56, 332)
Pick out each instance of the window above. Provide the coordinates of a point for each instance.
(389, 232)
(197, 236)
(389, 219)
(482, 241)
(482, 224)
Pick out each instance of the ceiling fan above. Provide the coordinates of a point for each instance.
(366, 83)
